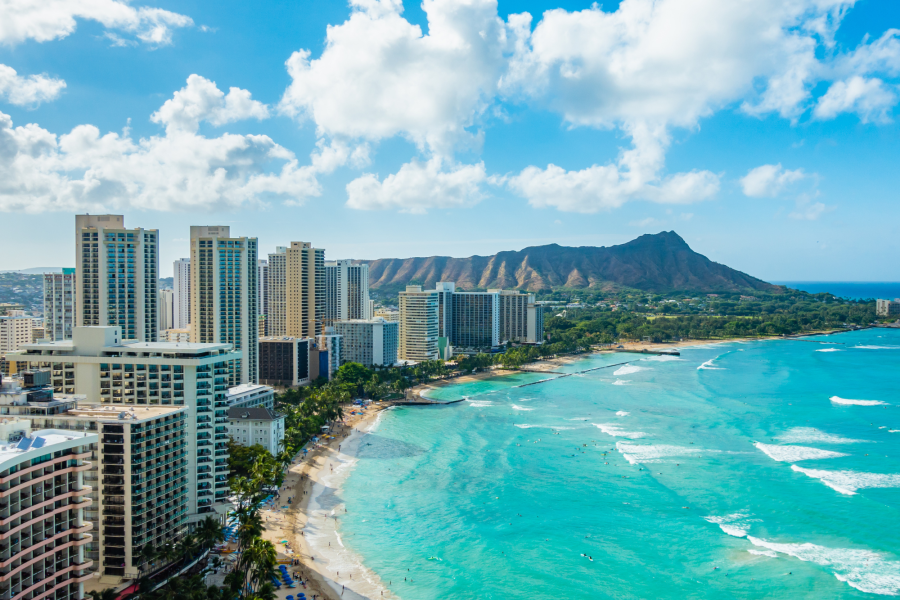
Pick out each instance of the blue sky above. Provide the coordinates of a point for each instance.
(764, 133)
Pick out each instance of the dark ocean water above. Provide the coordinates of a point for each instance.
(848, 289)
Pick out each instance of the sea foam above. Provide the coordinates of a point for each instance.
(621, 382)
(799, 435)
(621, 413)
(662, 358)
(770, 553)
(865, 570)
(795, 453)
(479, 403)
(515, 407)
(877, 347)
(640, 453)
(627, 370)
(845, 401)
(616, 431)
(830, 350)
(847, 482)
(710, 365)
(736, 524)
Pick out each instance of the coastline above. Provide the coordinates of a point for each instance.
(312, 523)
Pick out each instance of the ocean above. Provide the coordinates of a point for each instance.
(765, 469)
(854, 290)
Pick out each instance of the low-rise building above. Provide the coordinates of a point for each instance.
(176, 335)
(42, 500)
(370, 343)
(285, 361)
(250, 395)
(330, 353)
(887, 308)
(257, 425)
(390, 315)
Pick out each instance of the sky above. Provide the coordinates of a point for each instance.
(764, 133)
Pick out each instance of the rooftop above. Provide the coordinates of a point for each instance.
(253, 414)
(248, 388)
(116, 412)
(39, 441)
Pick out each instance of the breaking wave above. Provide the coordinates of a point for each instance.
(845, 401)
(616, 431)
(813, 435)
(640, 453)
(627, 370)
(848, 482)
(795, 453)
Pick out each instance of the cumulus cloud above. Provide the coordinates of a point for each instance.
(201, 100)
(418, 186)
(30, 90)
(380, 76)
(636, 176)
(181, 170)
(871, 99)
(22, 20)
(769, 180)
(810, 211)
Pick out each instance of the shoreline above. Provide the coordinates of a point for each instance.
(312, 523)
(550, 364)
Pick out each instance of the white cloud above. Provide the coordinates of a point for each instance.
(806, 211)
(769, 180)
(871, 99)
(47, 20)
(418, 186)
(201, 100)
(636, 176)
(380, 77)
(658, 60)
(30, 90)
(644, 222)
(84, 170)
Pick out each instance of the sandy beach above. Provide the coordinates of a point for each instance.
(311, 524)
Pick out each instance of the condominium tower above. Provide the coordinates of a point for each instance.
(224, 296)
(296, 291)
(371, 342)
(181, 287)
(59, 304)
(346, 291)
(117, 275)
(263, 292)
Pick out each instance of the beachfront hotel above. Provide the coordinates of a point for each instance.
(117, 275)
(419, 324)
(369, 342)
(224, 295)
(42, 500)
(125, 373)
(249, 426)
(138, 474)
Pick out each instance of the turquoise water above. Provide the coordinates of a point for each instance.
(671, 500)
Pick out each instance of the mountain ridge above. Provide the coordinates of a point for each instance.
(659, 262)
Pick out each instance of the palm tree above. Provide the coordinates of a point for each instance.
(209, 533)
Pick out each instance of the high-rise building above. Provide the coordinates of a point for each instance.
(137, 475)
(263, 291)
(285, 361)
(117, 276)
(276, 284)
(305, 290)
(296, 291)
(346, 291)
(521, 320)
(887, 308)
(59, 304)
(166, 310)
(475, 323)
(419, 324)
(43, 528)
(181, 287)
(224, 296)
(15, 331)
(122, 374)
(369, 342)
